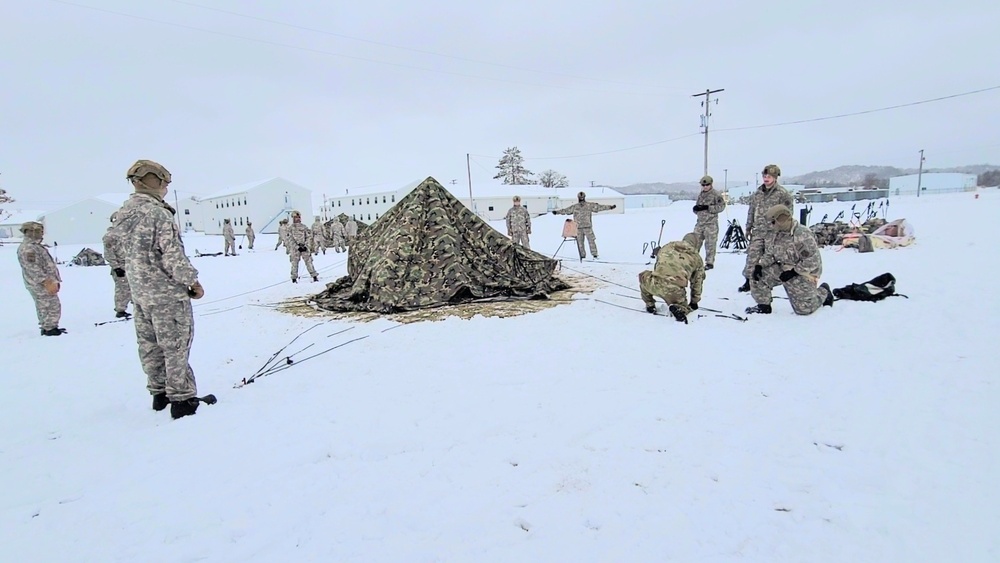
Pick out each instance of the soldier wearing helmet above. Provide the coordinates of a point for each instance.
(707, 208)
(769, 194)
(41, 278)
(678, 265)
(123, 294)
(283, 236)
(163, 282)
(299, 242)
(229, 237)
(519, 223)
(582, 212)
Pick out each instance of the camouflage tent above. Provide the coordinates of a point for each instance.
(89, 257)
(343, 218)
(430, 250)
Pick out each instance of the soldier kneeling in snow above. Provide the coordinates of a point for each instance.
(678, 264)
(791, 258)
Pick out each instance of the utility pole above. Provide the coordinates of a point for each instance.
(704, 117)
(920, 171)
(468, 170)
(177, 212)
(755, 182)
(726, 172)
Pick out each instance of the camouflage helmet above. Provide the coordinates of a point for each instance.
(225, 220)
(283, 222)
(32, 226)
(776, 211)
(692, 239)
(143, 167)
(296, 214)
(772, 170)
(581, 196)
(517, 198)
(706, 180)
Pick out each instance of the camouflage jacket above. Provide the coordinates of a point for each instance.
(317, 231)
(249, 232)
(582, 212)
(283, 234)
(762, 200)
(299, 235)
(793, 250)
(146, 238)
(336, 229)
(680, 264)
(518, 220)
(713, 199)
(111, 254)
(37, 264)
(227, 231)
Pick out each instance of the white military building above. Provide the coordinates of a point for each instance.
(931, 183)
(264, 203)
(82, 222)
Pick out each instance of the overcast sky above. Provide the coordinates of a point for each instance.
(335, 95)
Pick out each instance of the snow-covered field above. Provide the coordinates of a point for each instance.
(585, 432)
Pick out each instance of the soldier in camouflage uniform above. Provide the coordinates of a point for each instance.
(122, 292)
(163, 283)
(519, 223)
(351, 230)
(229, 236)
(282, 235)
(582, 212)
(791, 258)
(41, 278)
(678, 265)
(299, 240)
(337, 236)
(707, 208)
(769, 194)
(250, 235)
(318, 236)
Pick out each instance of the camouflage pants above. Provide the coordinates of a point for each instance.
(754, 251)
(803, 294)
(306, 256)
(520, 237)
(319, 244)
(123, 293)
(338, 244)
(165, 335)
(250, 242)
(230, 246)
(588, 233)
(670, 290)
(47, 307)
(709, 234)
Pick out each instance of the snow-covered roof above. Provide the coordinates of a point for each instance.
(592, 192)
(242, 188)
(116, 199)
(19, 216)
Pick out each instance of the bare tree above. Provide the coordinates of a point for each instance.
(4, 198)
(871, 180)
(512, 170)
(552, 179)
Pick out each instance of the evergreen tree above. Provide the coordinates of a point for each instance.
(511, 167)
(4, 198)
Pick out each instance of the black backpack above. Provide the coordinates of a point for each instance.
(875, 289)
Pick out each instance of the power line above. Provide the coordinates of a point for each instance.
(860, 112)
(352, 57)
(603, 152)
(411, 49)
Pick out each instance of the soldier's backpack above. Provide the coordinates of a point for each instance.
(875, 289)
(865, 244)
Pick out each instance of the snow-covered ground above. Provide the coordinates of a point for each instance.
(585, 432)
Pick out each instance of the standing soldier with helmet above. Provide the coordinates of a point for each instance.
(41, 278)
(519, 223)
(337, 236)
(282, 235)
(230, 236)
(582, 212)
(351, 230)
(250, 235)
(122, 292)
(707, 208)
(299, 240)
(163, 282)
(769, 194)
(318, 236)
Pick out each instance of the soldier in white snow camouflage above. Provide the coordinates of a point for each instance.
(229, 236)
(123, 294)
(250, 235)
(769, 194)
(519, 223)
(41, 278)
(791, 258)
(707, 208)
(163, 282)
(582, 212)
(299, 240)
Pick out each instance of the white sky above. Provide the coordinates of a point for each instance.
(86, 91)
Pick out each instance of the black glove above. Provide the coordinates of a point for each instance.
(302, 248)
(698, 208)
(758, 271)
(693, 305)
(787, 275)
(615, 206)
(120, 272)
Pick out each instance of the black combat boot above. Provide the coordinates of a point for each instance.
(183, 408)
(709, 267)
(745, 287)
(160, 401)
(651, 309)
(315, 278)
(678, 314)
(763, 309)
(828, 302)
(122, 315)
(295, 280)
(53, 331)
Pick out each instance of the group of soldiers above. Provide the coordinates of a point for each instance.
(230, 237)
(781, 252)
(302, 242)
(519, 223)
